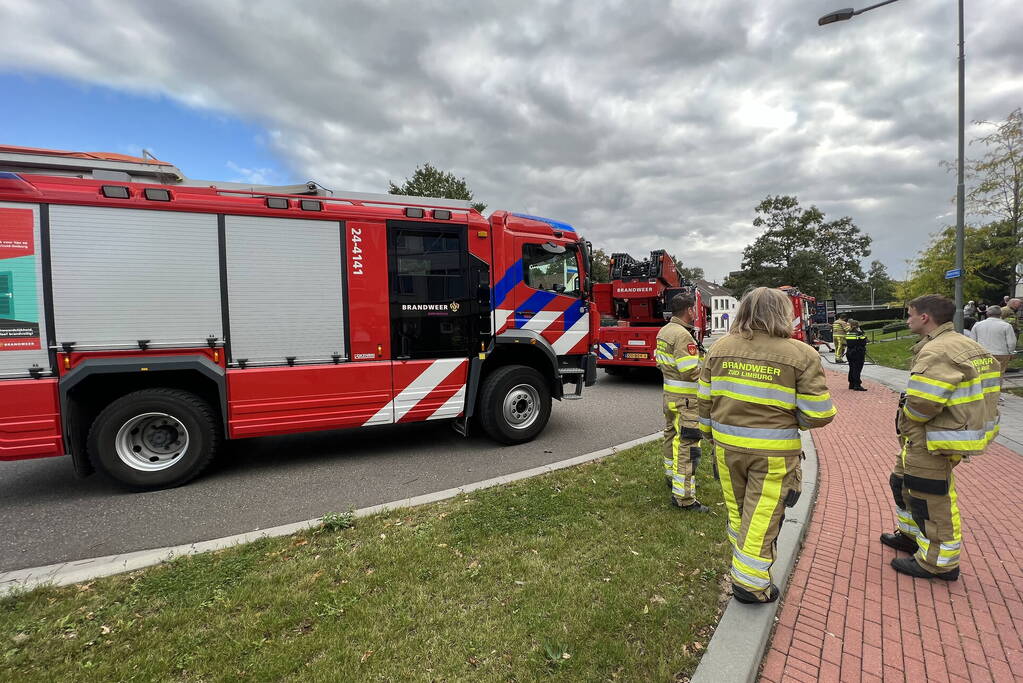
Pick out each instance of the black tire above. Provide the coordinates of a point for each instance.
(526, 393)
(154, 438)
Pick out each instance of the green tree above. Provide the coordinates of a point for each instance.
(429, 181)
(878, 281)
(600, 266)
(997, 192)
(799, 247)
(986, 248)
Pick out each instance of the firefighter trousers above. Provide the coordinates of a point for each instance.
(681, 449)
(839, 346)
(927, 506)
(757, 488)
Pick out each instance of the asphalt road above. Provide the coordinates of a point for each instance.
(48, 516)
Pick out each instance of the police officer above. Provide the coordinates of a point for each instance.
(950, 413)
(758, 388)
(856, 344)
(838, 332)
(678, 359)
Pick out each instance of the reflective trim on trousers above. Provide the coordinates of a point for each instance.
(906, 523)
(755, 582)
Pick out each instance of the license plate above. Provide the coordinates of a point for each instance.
(637, 356)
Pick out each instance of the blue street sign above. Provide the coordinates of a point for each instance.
(724, 316)
(954, 273)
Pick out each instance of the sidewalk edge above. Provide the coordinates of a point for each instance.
(64, 573)
(742, 636)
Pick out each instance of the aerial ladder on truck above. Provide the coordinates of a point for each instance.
(634, 306)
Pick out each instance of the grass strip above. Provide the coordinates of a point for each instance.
(583, 574)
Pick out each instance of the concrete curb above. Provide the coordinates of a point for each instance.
(65, 573)
(741, 637)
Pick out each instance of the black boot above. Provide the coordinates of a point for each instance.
(899, 541)
(909, 565)
(745, 597)
(695, 506)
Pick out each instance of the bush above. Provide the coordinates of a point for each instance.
(895, 327)
(873, 325)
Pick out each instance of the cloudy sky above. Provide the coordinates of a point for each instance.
(645, 124)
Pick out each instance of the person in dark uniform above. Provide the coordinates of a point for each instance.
(856, 352)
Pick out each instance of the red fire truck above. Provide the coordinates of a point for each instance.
(804, 307)
(145, 317)
(635, 305)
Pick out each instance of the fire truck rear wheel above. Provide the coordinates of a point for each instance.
(515, 404)
(154, 438)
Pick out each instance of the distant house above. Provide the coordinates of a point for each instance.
(721, 304)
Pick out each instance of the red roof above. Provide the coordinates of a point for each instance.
(104, 156)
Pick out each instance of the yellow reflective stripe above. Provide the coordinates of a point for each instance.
(681, 388)
(933, 382)
(940, 400)
(704, 390)
(914, 415)
(686, 362)
(734, 515)
(755, 443)
(767, 503)
(752, 391)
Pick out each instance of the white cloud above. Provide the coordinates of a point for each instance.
(648, 124)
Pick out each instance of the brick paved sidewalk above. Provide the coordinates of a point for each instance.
(848, 616)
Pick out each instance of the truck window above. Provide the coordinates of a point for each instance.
(551, 272)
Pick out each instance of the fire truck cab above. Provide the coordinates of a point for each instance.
(146, 317)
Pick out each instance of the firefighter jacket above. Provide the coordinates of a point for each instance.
(755, 394)
(839, 329)
(678, 358)
(1010, 316)
(952, 397)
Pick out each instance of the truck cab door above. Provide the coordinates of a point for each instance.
(552, 302)
(436, 321)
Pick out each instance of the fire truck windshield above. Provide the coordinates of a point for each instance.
(551, 272)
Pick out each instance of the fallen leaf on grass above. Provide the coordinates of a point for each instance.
(366, 655)
(520, 583)
(105, 630)
(646, 609)
(474, 564)
(565, 655)
(442, 545)
(658, 600)
(19, 638)
(697, 646)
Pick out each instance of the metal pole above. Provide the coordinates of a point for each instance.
(960, 187)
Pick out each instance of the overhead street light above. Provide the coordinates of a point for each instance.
(848, 13)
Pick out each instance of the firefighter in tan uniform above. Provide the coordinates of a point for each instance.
(950, 413)
(757, 389)
(839, 329)
(678, 359)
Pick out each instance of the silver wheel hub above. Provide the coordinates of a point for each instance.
(151, 442)
(521, 406)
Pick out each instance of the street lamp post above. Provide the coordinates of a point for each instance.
(848, 13)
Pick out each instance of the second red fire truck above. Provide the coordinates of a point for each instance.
(635, 305)
(146, 317)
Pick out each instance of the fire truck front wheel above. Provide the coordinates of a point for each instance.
(154, 438)
(515, 404)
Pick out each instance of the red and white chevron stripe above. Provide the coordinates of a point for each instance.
(436, 390)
